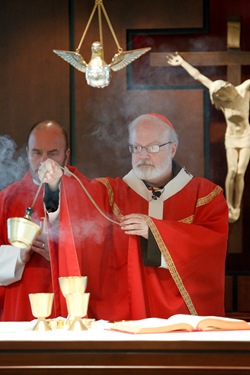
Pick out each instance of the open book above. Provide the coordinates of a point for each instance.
(180, 322)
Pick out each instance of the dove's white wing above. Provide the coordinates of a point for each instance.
(73, 58)
(122, 59)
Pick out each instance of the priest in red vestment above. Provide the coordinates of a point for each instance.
(35, 270)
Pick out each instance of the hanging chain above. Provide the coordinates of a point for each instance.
(99, 5)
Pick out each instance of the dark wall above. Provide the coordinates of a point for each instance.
(33, 86)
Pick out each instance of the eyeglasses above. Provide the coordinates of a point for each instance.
(152, 149)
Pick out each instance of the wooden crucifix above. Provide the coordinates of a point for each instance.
(233, 58)
(232, 97)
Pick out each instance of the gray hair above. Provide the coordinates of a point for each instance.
(170, 131)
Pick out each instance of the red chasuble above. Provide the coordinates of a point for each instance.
(40, 275)
(191, 237)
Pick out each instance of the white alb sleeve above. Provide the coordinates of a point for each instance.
(11, 265)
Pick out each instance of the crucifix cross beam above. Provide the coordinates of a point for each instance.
(233, 58)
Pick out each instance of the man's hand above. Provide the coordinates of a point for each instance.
(51, 173)
(135, 224)
(39, 246)
(174, 60)
(25, 255)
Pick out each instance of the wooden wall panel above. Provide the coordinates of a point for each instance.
(33, 86)
(243, 291)
(229, 294)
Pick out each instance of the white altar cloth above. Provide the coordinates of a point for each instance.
(22, 331)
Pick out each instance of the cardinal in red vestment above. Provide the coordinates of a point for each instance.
(164, 253)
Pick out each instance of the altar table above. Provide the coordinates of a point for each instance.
(100, 351)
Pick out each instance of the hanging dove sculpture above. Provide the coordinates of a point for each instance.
(97, 71)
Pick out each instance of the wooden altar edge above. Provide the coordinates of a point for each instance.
(124, 345)
(152, 357)
(118, 370)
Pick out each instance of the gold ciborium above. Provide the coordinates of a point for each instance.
(41, 306)
(77, 305)
(22, 231)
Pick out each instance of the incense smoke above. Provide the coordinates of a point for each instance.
(13, 162)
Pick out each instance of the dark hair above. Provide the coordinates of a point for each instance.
(44, 122)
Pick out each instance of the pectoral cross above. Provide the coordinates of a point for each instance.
(233, 58)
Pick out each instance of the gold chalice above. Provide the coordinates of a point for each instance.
(41, 306)
(77, 305)
(72, 284)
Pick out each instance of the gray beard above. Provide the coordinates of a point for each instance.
(147, 173)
